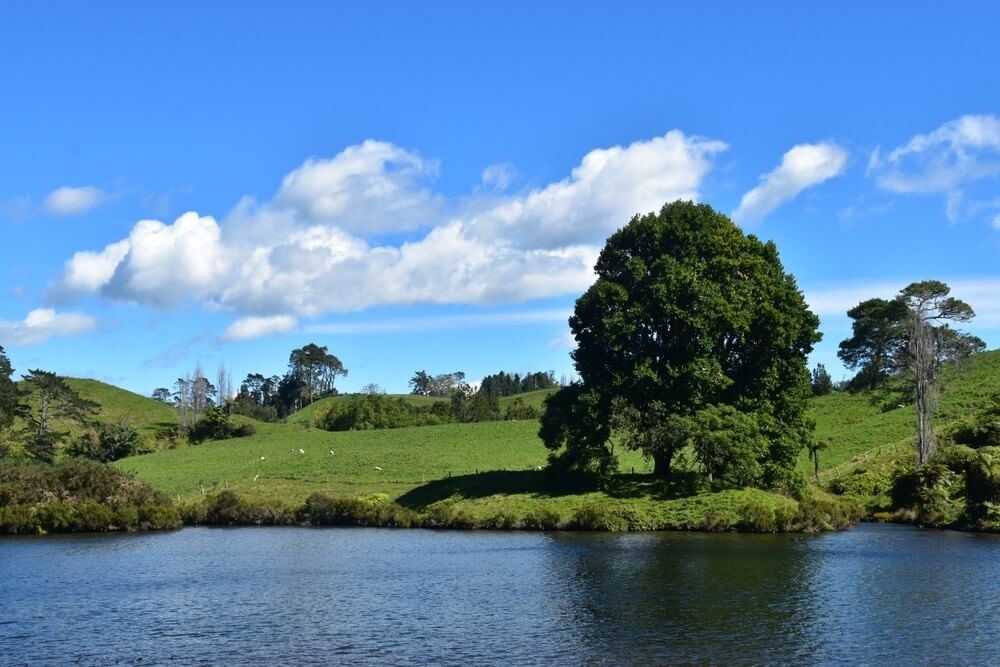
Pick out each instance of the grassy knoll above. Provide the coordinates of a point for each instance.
(867, 428)
(149, 416)
(308, 414)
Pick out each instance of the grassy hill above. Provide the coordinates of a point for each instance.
(535, 399)
(489, 470)
(148, 415)
(392, 461)
(307, 414)
(866, 427)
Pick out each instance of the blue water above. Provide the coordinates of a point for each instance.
(875, 595)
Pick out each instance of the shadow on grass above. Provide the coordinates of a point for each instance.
(547, 484)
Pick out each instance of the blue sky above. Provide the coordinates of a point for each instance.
(425, 186)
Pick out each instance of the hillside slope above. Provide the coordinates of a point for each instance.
(878, 425)
(148, 415)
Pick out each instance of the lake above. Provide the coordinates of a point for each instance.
(296, 596)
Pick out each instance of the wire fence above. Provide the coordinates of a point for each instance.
(858, 459)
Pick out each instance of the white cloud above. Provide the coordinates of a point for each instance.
(499, 177)
(803, 166)
(255, 327)
(602, 193)
(42, 324)
(366, 189)
(306, 253)
(433, 323)
(831, 302)
(68, 200)
(946, 161)
(88, 271)
(996, 221)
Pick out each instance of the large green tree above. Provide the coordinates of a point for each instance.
(10, 397)
(10, 401)
(316, 368)
(878, 339)
(687, 313)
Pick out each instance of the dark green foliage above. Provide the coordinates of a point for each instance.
(316, 369)
(444, 385)
(10, 397)
(877, 344)
(78, 495)
(162, 394)
(505, 384)
(730, 446)
(108, 442)
(518, 410)
(983, 483)
(474, 407)
(820, 381)
(54, 400)
(216, 424)
(689, 312)
(322, 510)
(378, 411)
(576, 430)
(984, 428)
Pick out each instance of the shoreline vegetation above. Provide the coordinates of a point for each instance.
(77, 496)
(682, 418)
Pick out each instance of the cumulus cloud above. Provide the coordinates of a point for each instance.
(87, 271)
(246, 328)
(69, 200)
(602, 193)
(42, 324)
(371, 188)
(803, 166)
(945, 161)
(307, 252)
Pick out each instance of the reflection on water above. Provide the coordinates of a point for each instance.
(873, 595)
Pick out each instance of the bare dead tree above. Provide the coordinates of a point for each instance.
(931, 342)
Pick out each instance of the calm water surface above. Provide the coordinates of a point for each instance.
(875, 595)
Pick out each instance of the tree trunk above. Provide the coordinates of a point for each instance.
(926, 392)
(661, 464)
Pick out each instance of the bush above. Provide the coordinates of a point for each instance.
(108, 442)
(378, 411)
(518, 409)
(216, 424)
(78, 495)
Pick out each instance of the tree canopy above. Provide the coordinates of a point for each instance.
(316, 368)
(10, 397)
(687, 314)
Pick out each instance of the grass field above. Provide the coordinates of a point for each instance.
(862, 427)
(308, 414)
(392, 461)
(491, 469)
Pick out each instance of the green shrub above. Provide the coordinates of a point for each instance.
(378, 411)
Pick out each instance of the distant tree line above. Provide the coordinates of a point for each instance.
(504, 384)
(312, 372)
